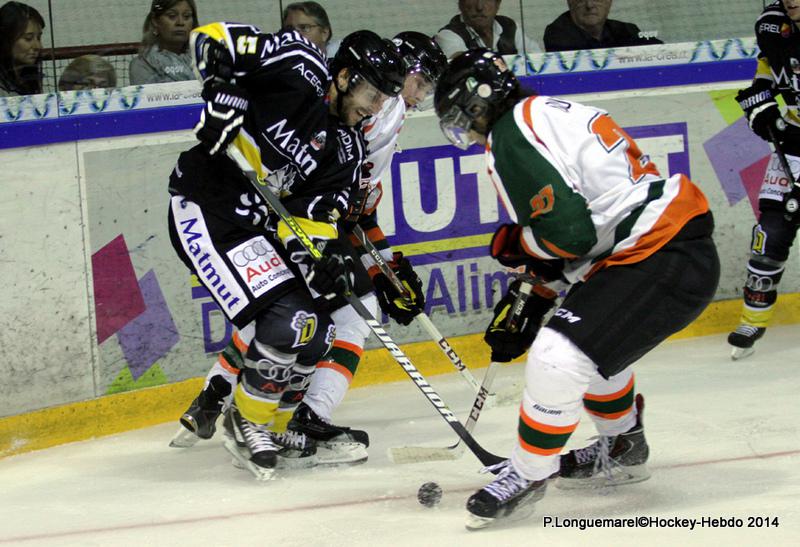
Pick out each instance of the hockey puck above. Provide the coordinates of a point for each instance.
(429, 494)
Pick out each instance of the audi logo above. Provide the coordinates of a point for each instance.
(252, 252)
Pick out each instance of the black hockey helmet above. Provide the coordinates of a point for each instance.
(476, 83)
(373, 58)
(421, 54)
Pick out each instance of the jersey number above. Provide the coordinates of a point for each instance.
(246, 44)
(542, 202)
(611, 136)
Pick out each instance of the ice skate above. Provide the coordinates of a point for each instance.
(253, 446)
(509, 494)
(743, 339)
(609, 461)
(200, 419)
(297, 450)
(336, 445)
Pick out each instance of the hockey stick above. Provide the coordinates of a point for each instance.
(485, 457)
(415, 454)
(791, 205)
(421, 317)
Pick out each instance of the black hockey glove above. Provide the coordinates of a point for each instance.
(762, 111)
(214, 61)
(509, 342)
(332, 275)
(222, 116)
(506, 248)
(401, 308)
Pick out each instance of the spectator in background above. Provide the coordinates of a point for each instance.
(311, 20)
(20, 50)
(586, 26)
(478, 25)
(87, 72)
(165, 56)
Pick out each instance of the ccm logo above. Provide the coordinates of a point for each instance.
(567, 315)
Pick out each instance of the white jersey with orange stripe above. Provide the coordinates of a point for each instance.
(581, 187)
(381, 133)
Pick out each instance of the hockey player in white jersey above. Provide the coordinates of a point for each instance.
(424, 62)
(590, 213)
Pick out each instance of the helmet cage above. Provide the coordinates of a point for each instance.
(457, 122)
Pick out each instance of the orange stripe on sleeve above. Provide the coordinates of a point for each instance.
(530, 251)
(557, 250)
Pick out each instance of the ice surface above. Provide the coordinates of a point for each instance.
(724, 439)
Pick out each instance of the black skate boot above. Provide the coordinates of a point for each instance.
(742, 340)
(609, 461)
(337, 445)
(199, 421)
(297, 450)
(508, 494)
(253, 445)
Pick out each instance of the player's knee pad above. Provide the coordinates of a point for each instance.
(350, 327)
(773, 236)
(293, 326)
(557, 374)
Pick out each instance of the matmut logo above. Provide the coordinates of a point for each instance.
(285, 140)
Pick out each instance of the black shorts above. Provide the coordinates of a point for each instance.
(622, 312)
(245, 271)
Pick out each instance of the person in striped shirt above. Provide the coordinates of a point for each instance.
(591, 215)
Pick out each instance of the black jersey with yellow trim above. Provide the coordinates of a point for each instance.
(303, 154)
(779, 58)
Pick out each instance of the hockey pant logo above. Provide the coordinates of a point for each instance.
(305, 327)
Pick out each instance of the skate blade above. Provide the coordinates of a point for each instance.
(474, 522)
(627, 475)
(289, 462)
(184, 438)
(417, 454)
(260, 473)
(738, 354)
(336, 454)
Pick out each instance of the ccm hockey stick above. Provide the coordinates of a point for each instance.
(416, 454)
(421, 317)
(485, 457)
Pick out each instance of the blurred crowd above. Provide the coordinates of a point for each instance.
(164, 52)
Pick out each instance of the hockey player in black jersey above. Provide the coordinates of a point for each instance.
(778, 73)
(272, 97)
(424, 62)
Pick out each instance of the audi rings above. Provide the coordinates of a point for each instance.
(258, 248)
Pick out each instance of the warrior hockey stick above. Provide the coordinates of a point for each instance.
(415, 454)
(421, 317)
(485, 457)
